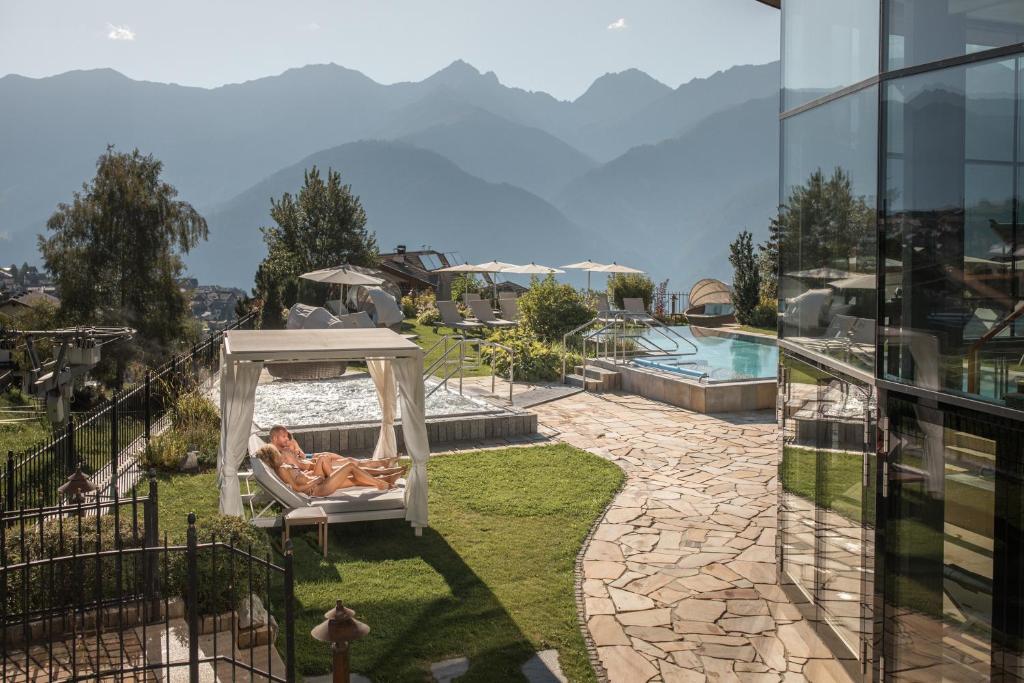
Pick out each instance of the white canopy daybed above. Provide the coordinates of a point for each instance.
(390, 358)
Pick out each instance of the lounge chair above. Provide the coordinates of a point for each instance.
(605, 313)
(483, 312)
(470, 296)
(509, 309)
(355, 504)
(635, 309)
(507, 294)
(450, 317)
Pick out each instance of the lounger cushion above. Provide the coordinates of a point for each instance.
(355, 499)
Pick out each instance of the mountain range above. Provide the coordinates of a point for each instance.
(632, 170)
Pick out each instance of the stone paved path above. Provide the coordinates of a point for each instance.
(680, 582)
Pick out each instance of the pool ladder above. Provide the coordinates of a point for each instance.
(625, 334)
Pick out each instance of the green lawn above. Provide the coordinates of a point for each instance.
(771, 331)
(491, 579)
(19, 435)
(427, 338)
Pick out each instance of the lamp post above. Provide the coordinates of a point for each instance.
(76, 487)
(340, 628)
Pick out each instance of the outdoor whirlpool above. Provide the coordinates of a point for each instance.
(343, 414)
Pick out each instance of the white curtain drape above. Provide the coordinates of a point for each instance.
(409, 372)
(237, 398)
(387, 395)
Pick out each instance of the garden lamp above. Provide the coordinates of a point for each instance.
(76, 487)
(340, 628)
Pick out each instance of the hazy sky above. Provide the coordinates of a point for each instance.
(559, 46)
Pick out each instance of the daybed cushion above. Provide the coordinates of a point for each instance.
(356, 499)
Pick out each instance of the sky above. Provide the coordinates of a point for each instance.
(558, 46)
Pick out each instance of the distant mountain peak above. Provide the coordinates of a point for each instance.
(460, 73)
(614, 91)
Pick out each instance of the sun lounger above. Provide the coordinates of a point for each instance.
(636, 310)
(509, 309)
(604, 312)
(450, 317)
(470, 296)
(483, 312)
(355, 504)
(507, 294)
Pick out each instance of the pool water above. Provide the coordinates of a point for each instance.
(304, 403)
(718, 358)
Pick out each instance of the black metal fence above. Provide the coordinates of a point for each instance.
(669, 303)
(107, 440)
(90, 591)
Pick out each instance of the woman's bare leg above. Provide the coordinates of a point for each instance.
(346, 476)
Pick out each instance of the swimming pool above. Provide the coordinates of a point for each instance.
(720, 357)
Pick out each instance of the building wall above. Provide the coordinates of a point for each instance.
(901, 507)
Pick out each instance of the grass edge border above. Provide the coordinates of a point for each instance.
(595, 660)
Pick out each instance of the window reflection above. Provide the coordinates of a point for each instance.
(942, 531)
(829, 44)
(922, 31)
(952, 241)
(827, 228)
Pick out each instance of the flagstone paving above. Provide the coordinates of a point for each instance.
(679, 579)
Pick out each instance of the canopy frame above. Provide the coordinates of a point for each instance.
(392, 360)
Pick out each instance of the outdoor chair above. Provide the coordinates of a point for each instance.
(450, 317)
(483, 312)
(507, 294)
(636, 310)
(604, 312)
(470, 296)
(509, 309)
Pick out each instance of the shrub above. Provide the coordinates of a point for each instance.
(431, 316)
(218, 588)
(765, 314)
(408, 305)
(535, 360)
(549, 309)
(416, 303)
(194, 426)
(630, 286)
(71, 581)
(466, 283)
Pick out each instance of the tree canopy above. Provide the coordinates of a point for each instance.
(115, 253)
(321, 227)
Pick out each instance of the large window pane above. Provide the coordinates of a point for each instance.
(953, 476)
(953, 242)
(923, 31)
(828, 45)
(828, 228)
(827, 512)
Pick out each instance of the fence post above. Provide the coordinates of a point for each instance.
(114, 446)
(148, 424)
(9, 500)
(71, 459)
(151, 535)
(192, 600)
(289, 613)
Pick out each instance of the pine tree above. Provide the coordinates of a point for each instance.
(323, 226)
(746, 281)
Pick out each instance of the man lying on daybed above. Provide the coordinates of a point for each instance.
(324, 463)
(323, 481)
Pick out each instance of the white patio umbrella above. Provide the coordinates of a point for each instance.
(589, 266)
(489, 267)
(616, 268)
(461, 268)
(341, 275)
(532, 269)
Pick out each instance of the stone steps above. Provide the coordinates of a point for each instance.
(608, 380)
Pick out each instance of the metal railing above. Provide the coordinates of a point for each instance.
(91, 591)
(620, 335)
(107, 440)
(460, 353)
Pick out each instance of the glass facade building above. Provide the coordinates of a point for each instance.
(901, 326)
